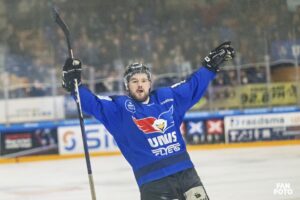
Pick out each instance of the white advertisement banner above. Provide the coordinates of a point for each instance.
(98, 139)
(261, 126)
(262, 121)
(31, 109)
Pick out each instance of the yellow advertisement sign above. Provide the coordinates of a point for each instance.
(252, 95)
(257, 95)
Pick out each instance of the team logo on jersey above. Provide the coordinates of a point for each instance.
(156, 125)
(130, 106)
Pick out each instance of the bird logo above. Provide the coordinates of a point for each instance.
(156, 125)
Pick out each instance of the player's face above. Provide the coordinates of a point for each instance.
(139, 87)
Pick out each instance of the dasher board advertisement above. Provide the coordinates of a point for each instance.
(28, 142)
(243, 128)
(98, 139)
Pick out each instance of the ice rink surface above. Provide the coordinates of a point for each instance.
(261, 173)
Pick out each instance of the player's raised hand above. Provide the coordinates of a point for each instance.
(216, 57)
(71, 71)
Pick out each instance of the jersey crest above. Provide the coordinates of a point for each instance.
(156, 125)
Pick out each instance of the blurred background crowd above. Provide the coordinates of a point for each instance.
(172, 37)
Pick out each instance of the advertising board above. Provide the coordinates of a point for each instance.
(18, 143)
(98, 139)
(243, 128)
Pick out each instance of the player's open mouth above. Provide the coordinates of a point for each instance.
(140, 91)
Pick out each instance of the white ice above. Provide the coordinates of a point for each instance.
(228, 174)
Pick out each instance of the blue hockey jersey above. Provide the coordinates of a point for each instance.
(148, 135)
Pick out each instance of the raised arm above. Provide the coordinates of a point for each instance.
(188, 92)
(102, 108)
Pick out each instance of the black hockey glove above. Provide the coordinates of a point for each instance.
(71, 71)
(216, 57)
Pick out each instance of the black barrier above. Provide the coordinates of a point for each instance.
(39, 141)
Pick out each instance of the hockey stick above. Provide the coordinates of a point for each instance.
(66, 31)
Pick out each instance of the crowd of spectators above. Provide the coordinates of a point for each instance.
(170, 36)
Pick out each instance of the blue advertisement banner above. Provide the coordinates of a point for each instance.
(287, 50)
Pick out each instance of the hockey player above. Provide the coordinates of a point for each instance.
(145, 124)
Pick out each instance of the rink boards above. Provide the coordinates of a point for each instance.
(223, 128)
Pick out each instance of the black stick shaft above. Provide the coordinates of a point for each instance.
(65, 29)
(86, 151)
